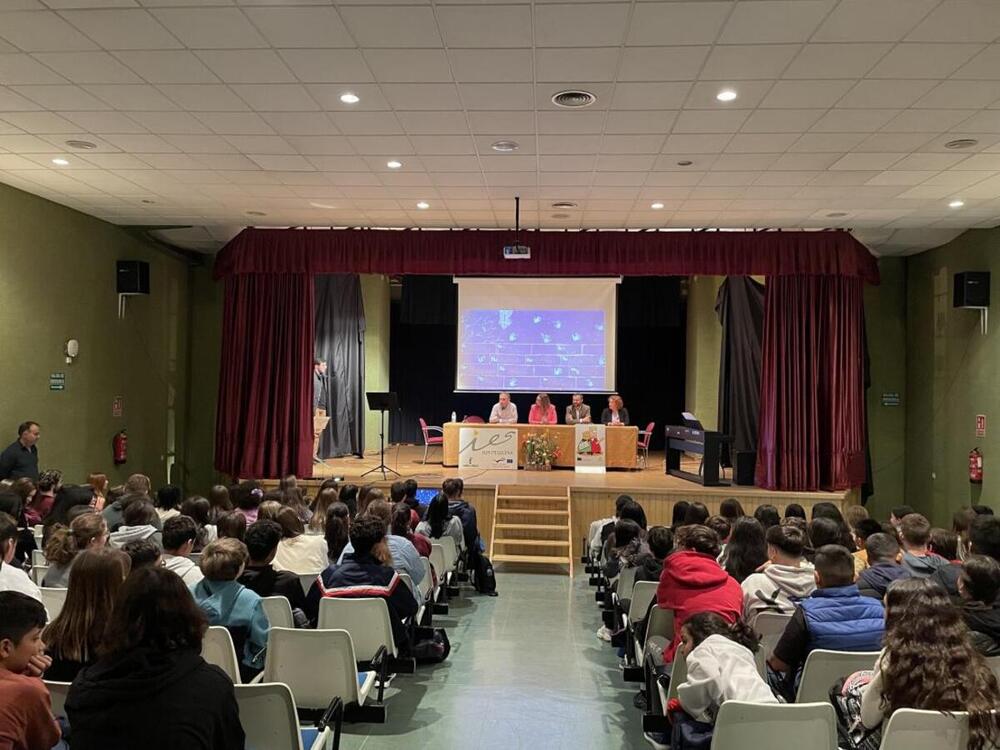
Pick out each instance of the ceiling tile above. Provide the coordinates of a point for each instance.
(23, 69)
(769, 21)
(328, 97)
(54, 97)
(980, 162)
(35, 31)
(290, 163)
(781, 120)
(276, 97)
(303, 123)
(743, 162)
(867, 21)
(442, 144)
(453, 170)
(710, 121)
(363, 123)
(105, 122)
(836, 60)
(591, 64)
(902, 143)
(677, 22)
(378, 145)
(740, 61)
(317, 27)
(140, 144)
(987, 121)
(983, 66)
(507, 96)
(622, 163)
(805, 94)
(749, 94)
(409, 65)
(960, 21)
(167, 122)
(793, 162)
(235, 123)
(885, 94)
(659, 64)
(200, 144)
(167, 66)
(935, 162)
(958, 94)
(569, 144)
(638, 121)
(261, 144)
(926, 120)
(490, 65)
(760, 143)
(900, 177)
(327, 65)
(504, 122)
(122, 29)
(854, 120)
(670, 95)
(135, 96)
(865, 161)
(580, 25)
(400, 26)
(695, 144)
(326, 145)
(631, 144)
(924, 60)
(210, 28)
(485, 25)
(827, 142)
(432, 96)
(247, 66)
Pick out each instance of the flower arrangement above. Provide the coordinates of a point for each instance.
(540, 450)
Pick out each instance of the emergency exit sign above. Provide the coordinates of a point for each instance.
(980, 425)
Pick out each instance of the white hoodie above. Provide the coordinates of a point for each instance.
(184, 567)
(718, 670)
(777, 589)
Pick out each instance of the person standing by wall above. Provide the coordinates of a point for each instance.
(20, 458)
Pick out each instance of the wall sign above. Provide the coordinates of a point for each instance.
(57, 381)
(591, 448)
(487, 447)
(890, 399)
(980, 425)
(117, 406)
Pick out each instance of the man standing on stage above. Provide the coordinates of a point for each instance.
(504, 411)
(320, 389)
(578, 412)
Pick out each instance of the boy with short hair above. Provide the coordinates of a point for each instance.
(179, 536)
(786, 579)
(26, 720)
(915, 533)
(884, 566)
(262, 539)
(836, 616)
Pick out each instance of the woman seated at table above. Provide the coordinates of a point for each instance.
(542, 411)
(616, 413)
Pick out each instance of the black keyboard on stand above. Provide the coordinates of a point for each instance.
(708, 445)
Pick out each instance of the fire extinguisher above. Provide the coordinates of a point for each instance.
(119, 448)
(976, 466)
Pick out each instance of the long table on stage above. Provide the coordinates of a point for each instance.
(620, 447)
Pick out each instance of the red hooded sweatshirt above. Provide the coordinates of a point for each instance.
(693, 582)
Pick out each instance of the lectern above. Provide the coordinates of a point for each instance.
(383, 402)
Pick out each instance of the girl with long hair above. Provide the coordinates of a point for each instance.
(324, 499)
(746, 550)
(86, 531)
(199, 510)
(100, 484)
(218, 499)
(298, 552)
(439, 522)
(337, 530)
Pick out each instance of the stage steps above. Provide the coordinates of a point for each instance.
(532, 525)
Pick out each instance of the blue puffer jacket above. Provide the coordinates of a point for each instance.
(841, 619)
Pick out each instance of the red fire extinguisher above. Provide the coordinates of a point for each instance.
(976, 466)
(119, 448)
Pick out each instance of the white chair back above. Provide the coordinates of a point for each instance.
(642, 594)
(217, 648)
(769, 626)
(823, 668)
(279, 611)
(38, 557)
(993, 662)
(625, 584)
(910, 729)
(57, 693)
(38, 531)
(318, 665)
(53, 599)
(678, 673)
(450, 551)
(268, 716)
(756, 725)
(38, 573)
(427, 582)
(367, 621)
(439, 561)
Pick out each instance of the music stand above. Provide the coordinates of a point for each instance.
(383, 402)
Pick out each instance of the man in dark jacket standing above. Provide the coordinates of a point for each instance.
(20, 458)
(364, 575)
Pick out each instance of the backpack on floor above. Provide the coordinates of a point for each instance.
(485, 578)
(430, 645)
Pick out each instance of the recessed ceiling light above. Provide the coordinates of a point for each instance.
(685, 163)
(573, 98)
(656, 206)
(836, 214)
(256, 213)
(505, 147)
(393, 164)
(961, 143)
(726, 95)
(321, 205)
(81, 144)
(60, 162)
(564, 204)
(423, 205)
(349, 97)
(956, 203)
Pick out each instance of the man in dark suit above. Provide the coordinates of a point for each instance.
(321, 391)
(20, 458)
(578, 412)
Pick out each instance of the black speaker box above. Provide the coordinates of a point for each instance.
(972, 289)
(746, 468)
(133, 277)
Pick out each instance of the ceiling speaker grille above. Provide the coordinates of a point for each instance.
(573, 99)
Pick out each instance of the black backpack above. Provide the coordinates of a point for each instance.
(485, 578)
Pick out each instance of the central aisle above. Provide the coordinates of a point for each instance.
(525, 671)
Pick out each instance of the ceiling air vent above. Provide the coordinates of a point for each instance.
(573, 99)
(564, 204)
(961, 143)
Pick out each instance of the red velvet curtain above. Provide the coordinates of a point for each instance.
(264, 427)
(812, 403)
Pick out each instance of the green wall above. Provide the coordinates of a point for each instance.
(376, 300)
(58, 282)
(704, 344)
(951, 368)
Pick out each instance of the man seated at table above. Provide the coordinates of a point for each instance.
(578, 412)
(504, 411)
(542, 411)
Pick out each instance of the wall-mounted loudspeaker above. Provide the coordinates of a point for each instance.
(746, 467)
(972, 289)
(133, 277)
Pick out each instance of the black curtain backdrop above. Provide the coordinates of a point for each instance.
(423, 339)
(740, 308)
(340, 340)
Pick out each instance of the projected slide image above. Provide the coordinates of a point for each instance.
(532, 350)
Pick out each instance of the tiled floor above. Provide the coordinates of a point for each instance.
(525, 671)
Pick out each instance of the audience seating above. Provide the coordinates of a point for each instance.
(53, 599)
(910, 729)
(823, 668)
(38, 573)
(437, 559)
(367, 621)
(769, 626)
(318, 666)
(38, 557)
(279, 611)
(270, 720)
(421, 598)
(643, 593)
(217, 648)
(659, 628)
(429, 440)
(451, 560)
(57, 694)
(740, 726)
(38, 531)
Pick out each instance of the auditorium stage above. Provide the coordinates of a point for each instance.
(592, 495)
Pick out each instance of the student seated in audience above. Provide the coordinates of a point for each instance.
(723, 528)
(87, 531)
(439, 522)
(822, 531)
(794, 510)
(298, 552)
(678, 514)
(231, 525)
(978, 586)
(915, 533)
(179, 536)
(861, 531)
(898, 513)
(144, 553)
(629, 550)
(402, 526)
(324, 499)
(767, 515)
(835, 616)
(219, 502)
(349, 497)
(984, 539)
(168, 501)
(26, 721)
(114, 513)
(198, 509)
(405, 558)
(150, 687)
(692, 581)
(746, 550)
(944, 544)
(247, 499)
(137, 524)
(338, 525)
(720, 666)
(884, 565)
(262, 540)
(13, 578)
(410, 488)
(928, 663)
(629, 511)
(660, 541)
(48, 484)
(961, 521)
(268, 508)
(602, 528)
(731, 509)
(845, 536)
(73, 638)
(466, 514)
(366, 572)
(784, 581)
(232, 605)
(696, 514)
